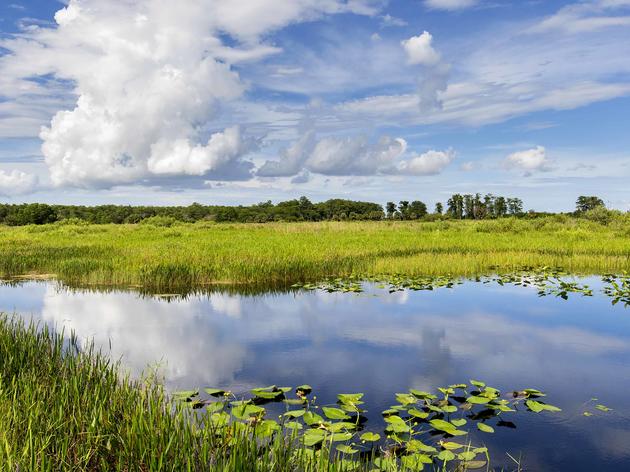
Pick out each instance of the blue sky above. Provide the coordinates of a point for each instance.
(215, 101)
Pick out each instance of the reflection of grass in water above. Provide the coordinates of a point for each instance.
(62, 408)
(281, 254)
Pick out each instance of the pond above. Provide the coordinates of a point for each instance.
(381, 343)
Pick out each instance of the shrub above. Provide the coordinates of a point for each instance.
(159, 221)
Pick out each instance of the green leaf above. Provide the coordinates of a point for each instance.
(442, 425)
(342, 425)
(294, 425)
(418, 414)
(350, 398)
(537, 407)
(485, 428)
(421, 394)
(220, 419)
(477, 383)
(295, 413)
(449, 408)
(412, 463)
(451, 446)
(214, 392)
(418, 446)
(446, 455)
(475, 400)
(245, 411)
(406, 399)
(266, 428)
(312, 437)
(215, 407)
(459, 422)
(394, 420)
(185, 394)
(346, 449)
(466, 456)
(370, 437)
(474, 465)
(311, 418)
(335, 413)
(603, 408)
(339, 437)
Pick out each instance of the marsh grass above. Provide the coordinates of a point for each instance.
(63, 409)
(280, 254)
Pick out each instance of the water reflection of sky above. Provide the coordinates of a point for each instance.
(380, 345)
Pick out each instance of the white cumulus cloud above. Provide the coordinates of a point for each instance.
(16, 182)
(530, 160)
(149, 78)
(341, 156)
(429, 163)
(420, 50)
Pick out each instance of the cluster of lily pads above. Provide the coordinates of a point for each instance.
(548, 282)
(618, 288)
(421, 428)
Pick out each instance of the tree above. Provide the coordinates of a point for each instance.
(417, 210)
(469, 206)
(500, 207)
(585, 203)
(455, 206)
(391, 209)
(515, 206)
(439, 209)
(403, 208)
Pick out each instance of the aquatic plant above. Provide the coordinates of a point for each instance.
(65, 408)
(547, 281)
(421, 427)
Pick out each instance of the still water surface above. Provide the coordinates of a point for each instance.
(380, 343)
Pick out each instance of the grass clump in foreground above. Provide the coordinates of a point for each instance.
(281, 254)
(62, 408)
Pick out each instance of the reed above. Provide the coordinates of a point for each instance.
(63, 409)
(280, 254)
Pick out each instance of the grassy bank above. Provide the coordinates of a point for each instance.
(65, 410)
(284, 253)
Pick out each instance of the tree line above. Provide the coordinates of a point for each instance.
(457, 207)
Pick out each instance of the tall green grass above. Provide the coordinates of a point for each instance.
(62, 409)
(283, 253)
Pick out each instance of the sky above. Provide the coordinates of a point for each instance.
(155, 102)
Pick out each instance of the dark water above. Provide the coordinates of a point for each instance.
(380, 343)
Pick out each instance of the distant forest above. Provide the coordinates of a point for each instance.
(467, 206)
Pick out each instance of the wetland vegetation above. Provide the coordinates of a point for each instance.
(120, 424)
(123, 423)
(282, 254)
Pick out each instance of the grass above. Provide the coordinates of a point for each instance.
(280, 254)
(62, 409)
(67, 409)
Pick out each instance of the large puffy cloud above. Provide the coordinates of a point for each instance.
(355, 156)
(16, 182)
(150, 77)
(430, 163)
(332, 155)
(530, 160)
